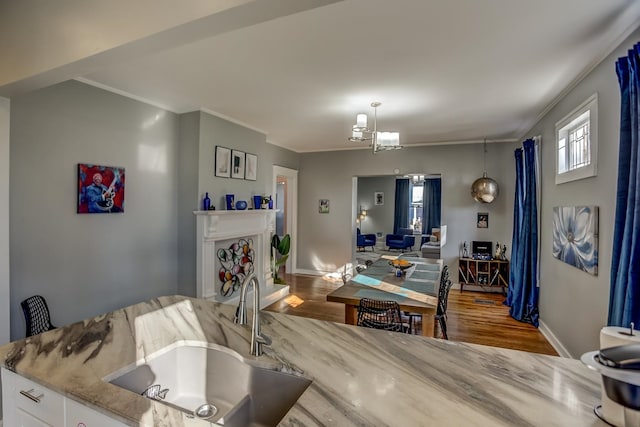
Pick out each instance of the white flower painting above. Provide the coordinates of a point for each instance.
(575, 236)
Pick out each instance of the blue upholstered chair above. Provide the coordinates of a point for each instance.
(364, 240)
(403, 240)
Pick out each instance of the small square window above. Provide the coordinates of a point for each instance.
(576, 143)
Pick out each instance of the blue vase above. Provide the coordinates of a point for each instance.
(229, 198)
(257, 201)
(206, 202)
(241, 205)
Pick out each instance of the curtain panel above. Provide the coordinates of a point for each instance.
(431, 204)
(401, 211)
(624, 296)
(523, 293)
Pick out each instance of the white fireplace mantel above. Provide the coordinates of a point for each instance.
(215, 230)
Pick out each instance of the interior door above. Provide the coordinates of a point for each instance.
(285, 188)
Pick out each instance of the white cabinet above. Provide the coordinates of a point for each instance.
(25, 419)
(79, 415)
(26, 403)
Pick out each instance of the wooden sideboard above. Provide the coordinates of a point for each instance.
(486, 273)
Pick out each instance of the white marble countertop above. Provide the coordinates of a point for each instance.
(361, 377)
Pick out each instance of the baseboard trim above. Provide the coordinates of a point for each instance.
(477, 288)
(553, 340)
(310, 272)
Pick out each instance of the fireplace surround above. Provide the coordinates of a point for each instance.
(217, 230)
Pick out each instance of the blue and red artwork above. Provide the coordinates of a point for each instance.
(100, 189)
(237, 264)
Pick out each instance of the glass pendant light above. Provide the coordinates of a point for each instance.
(485, 189)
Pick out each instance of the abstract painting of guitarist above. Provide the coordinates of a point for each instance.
(100, 189)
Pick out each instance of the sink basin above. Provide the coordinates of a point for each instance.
(214, 383)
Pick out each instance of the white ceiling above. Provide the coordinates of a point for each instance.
(445, 71)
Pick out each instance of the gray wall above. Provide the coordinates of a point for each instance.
(188, 200)
(326, 239)
(570, 299)
(199, 134)
(216, 131)
(379, 218)
(4, 221)
(87, 264)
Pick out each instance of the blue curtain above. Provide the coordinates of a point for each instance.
(401, 213)
(523, 291)
(431, 196)
(624, 297)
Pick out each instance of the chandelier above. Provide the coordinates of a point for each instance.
(380, 141)
(485, 189)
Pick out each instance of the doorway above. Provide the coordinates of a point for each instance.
(285, 188)
(376, 214)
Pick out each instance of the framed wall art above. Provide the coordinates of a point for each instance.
(251, 167)
(575, 236)
(100, 189)
(483, 220)
(237, 164)
(323, 206)
(223, 162)
(378, 198)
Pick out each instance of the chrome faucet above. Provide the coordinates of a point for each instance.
(257, 339)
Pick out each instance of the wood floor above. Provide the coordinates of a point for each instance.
(473, 317)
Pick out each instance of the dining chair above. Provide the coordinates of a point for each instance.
(36, 315)
(444, 279)
(380, 314)
(441, 312)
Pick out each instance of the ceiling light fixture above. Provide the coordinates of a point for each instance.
(380, 141)
(485, 189)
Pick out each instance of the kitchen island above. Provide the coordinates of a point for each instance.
(361, 377)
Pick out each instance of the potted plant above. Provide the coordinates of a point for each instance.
(279, 254)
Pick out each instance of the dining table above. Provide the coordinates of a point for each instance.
(415, 289)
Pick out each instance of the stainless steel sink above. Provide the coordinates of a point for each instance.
(214, 383)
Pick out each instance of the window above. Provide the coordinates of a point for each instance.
(576, 143)
(415, 206)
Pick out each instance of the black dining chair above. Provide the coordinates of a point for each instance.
(36, 315)
(441, 312)
(444, 278)
(380, 314)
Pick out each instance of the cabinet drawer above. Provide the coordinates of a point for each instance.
(38, 401)
(79, 415)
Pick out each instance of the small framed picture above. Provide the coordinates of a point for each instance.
(378, 198)
(237, 164)
(223, 162)
(323, 207)
(251, 167)
(483, 220)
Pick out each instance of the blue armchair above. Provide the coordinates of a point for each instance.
(364, 240)
(403, 240)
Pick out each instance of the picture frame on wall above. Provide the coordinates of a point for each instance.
(223, 162)
(483, 220)
(323, 206)
(237, 164)
(572, 221)
(251, 167)
(378, 198)
(100, 189)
